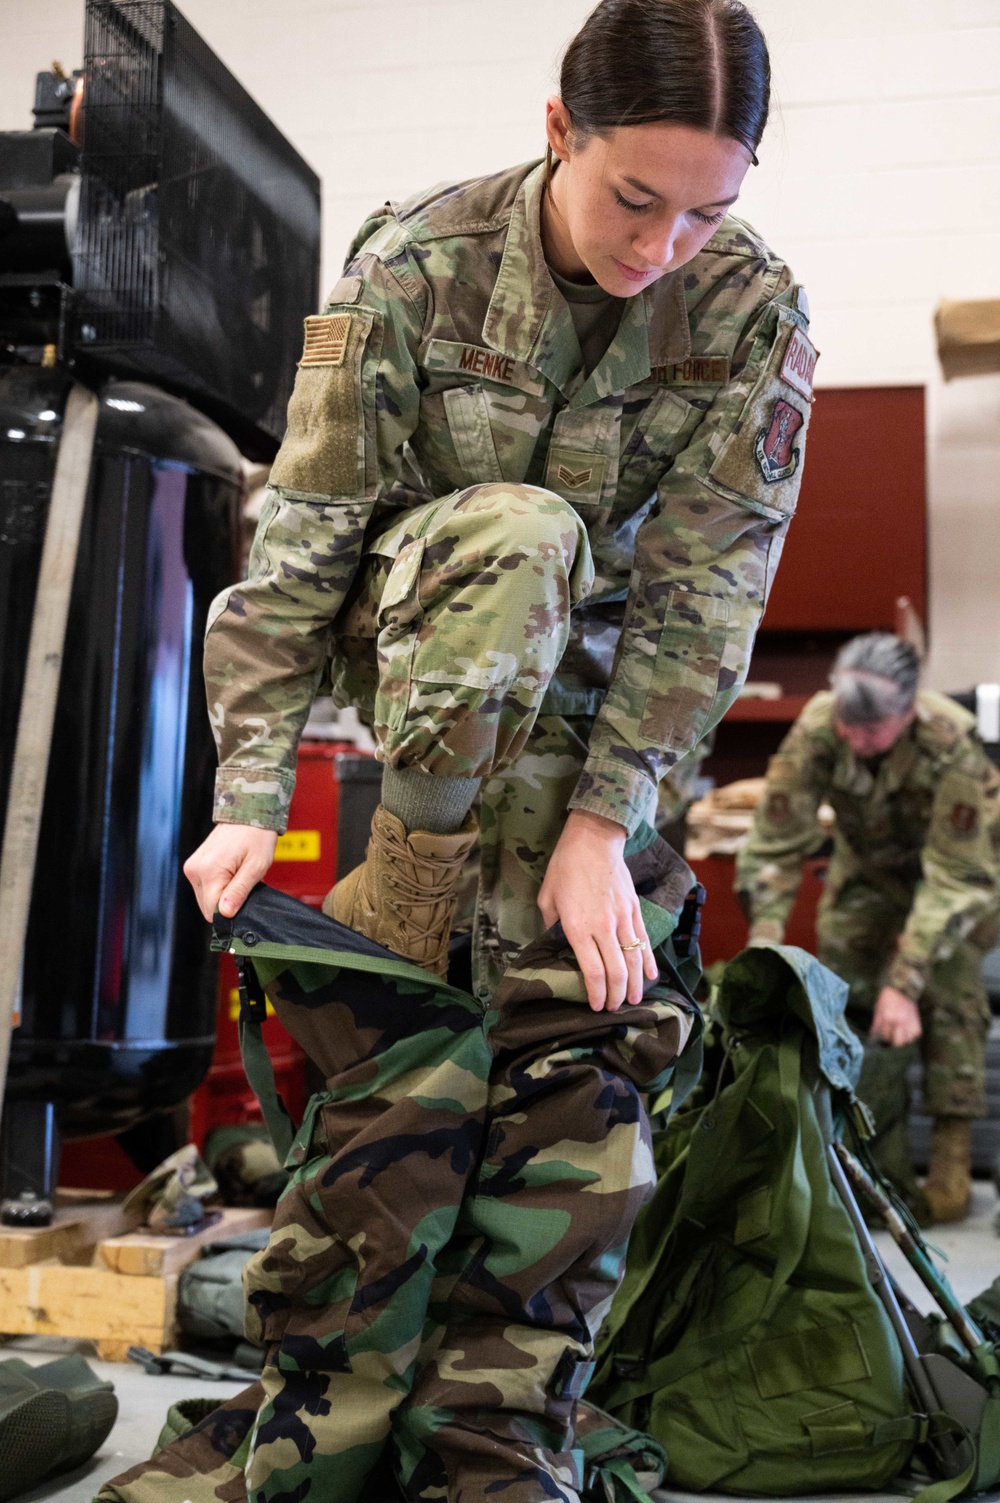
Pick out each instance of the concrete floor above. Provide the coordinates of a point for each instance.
(973, 1261)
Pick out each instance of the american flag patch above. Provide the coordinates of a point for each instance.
(326, 339)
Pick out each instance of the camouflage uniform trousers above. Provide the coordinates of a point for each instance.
(455, 1230)
(857, 926)
(448, 642)
(205, 1463)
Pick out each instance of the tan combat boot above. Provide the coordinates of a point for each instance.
(948, 1186)
(403, 894)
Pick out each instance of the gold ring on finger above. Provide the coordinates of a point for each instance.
(638, 944)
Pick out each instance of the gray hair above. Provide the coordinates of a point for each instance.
(874, 677)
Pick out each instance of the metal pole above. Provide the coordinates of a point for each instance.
(968, 1332)
(949, 1453)
(38, 701)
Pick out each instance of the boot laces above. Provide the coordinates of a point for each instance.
(410, 893)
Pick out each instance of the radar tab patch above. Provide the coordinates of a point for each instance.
(799, 364)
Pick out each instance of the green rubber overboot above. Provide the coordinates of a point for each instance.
(53, 1418)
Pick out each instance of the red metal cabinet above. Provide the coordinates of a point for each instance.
(723, 927)
(305, 866)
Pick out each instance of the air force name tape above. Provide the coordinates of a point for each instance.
(696, 370)
(326, 339)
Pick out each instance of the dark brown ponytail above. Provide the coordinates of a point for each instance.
(701, 63)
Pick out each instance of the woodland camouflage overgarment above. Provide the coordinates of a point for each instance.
(466, 533)
(455, 1225)
(912, 895)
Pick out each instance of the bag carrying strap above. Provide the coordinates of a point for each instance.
(257, 1061)
(621, 1471)
(948, 1488)
(158, 1363)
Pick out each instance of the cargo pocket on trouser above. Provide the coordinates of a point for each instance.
(472, 622)
(366, 1221)
(955, 1013)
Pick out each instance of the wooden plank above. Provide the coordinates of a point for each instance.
(93, 1304)
(143, 1254)
(78, 1225)
(26, 783)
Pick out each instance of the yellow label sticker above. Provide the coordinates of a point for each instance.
(298, 845)
(234, 1006)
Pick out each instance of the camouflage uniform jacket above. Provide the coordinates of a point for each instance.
(924, 826)
(446, 358)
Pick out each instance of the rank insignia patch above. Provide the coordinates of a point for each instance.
(775, 454)
(963, 819)
(573, 479)
(799, 364)
(326, 339)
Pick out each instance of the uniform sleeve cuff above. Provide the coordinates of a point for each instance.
(616, 792)
(908, 976)
(246, 797)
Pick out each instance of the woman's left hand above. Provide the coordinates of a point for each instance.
(897, 1018)
(588, 888)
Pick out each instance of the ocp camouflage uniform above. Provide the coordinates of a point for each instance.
(456, 1223)
(520, 572)
(551, 581)
(912, 895)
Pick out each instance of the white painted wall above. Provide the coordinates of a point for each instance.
(880, 181)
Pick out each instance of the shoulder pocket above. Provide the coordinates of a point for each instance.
(469, 425)
(327, 450)
(760, 462)
(662, 429)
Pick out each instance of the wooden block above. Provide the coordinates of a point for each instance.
(144, 1254)
(79, 1222)
(117, 1351)
(48, 1299)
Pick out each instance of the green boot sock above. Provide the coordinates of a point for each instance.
(422, 801)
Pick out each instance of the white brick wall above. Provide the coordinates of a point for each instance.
(880, 181)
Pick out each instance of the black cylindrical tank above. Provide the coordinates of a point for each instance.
(118, 986)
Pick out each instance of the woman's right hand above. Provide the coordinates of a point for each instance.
(227, 865)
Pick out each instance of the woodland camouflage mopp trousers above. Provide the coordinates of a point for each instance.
(456, 1223)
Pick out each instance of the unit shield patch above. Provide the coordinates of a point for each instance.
(775, 455)
(964, 819)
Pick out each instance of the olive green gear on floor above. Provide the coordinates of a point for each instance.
(403, 894)
(52, 1418)
(747, 1336)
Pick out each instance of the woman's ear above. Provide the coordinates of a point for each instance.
(557, 126)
